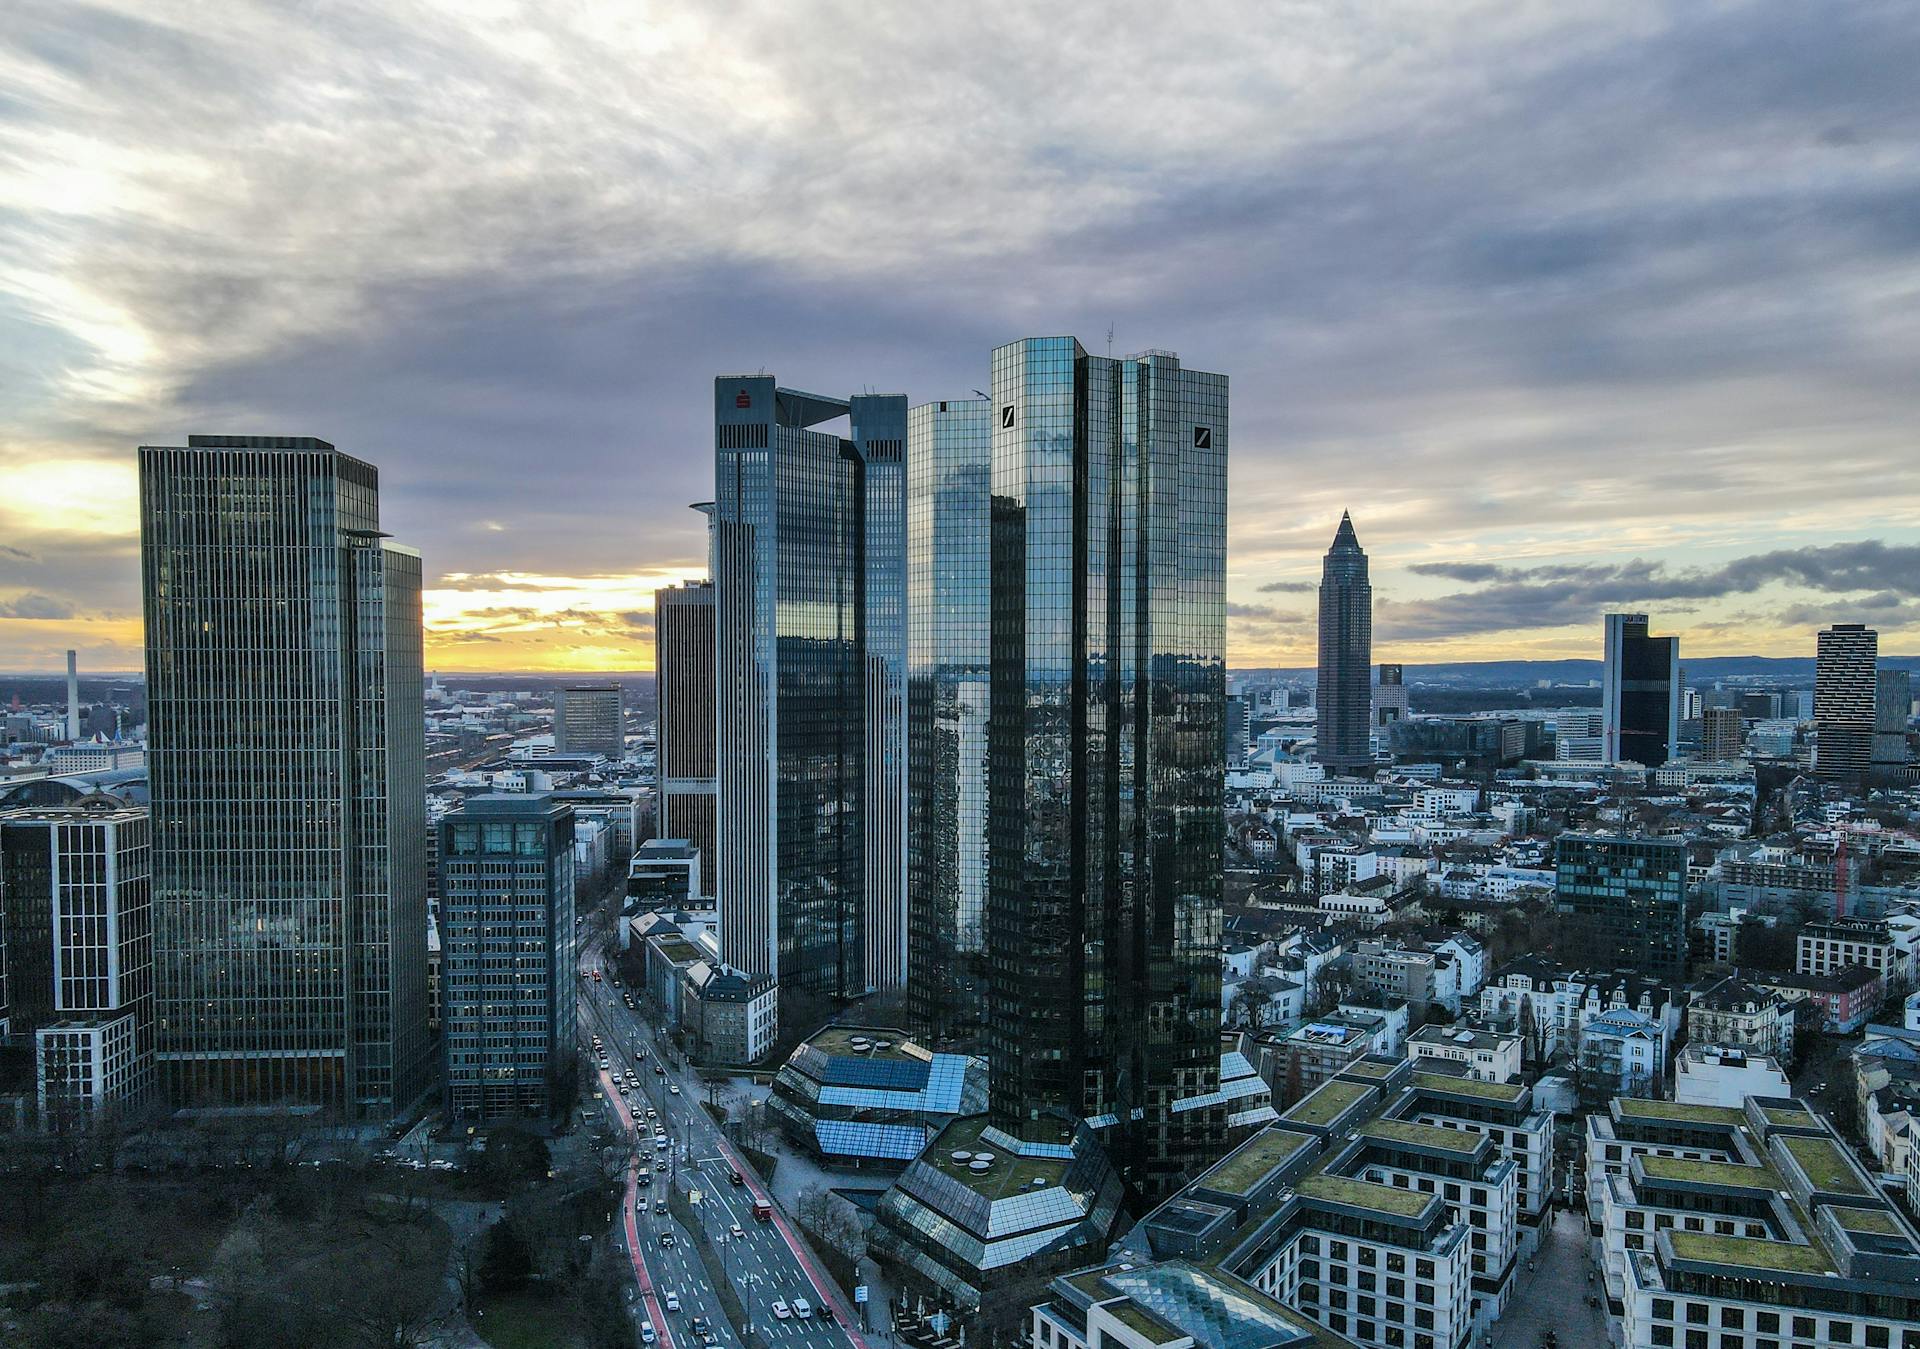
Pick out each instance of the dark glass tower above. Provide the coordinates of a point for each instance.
(808, 553)
(1844, 690)
(683, 680)
(1639, 693)
(1107, 750)
(1342, 739)
(949, 486)
(286, 752)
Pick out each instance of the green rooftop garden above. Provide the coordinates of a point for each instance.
(1866, 1220)
(1675, 1112)
(1365, 1194)
(1825, 1165)
(1509, 1092)
(1709, 1173)
(1007, 1175)
(1244, 1169)
(1423, 1135)
(1137, 1318)
(1795, 1118)
(1749, 1253)
(1326, 1104)
(1369, 1068)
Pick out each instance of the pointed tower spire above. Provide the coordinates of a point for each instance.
(1344, 537)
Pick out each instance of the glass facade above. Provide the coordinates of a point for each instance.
(508, 957)
(1107, 749)
(949, 488)
(1633, 892)
(286, 755)
(1343, 735)
(1639, 693)
(683, 676)
(590, 719)
(808, 560)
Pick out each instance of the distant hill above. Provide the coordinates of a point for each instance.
(1787, 671)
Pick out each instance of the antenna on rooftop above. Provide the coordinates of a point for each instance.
(1109, 340)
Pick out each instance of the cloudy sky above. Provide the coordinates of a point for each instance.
(1575, 305)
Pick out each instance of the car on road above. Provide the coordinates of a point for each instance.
(652, 1113)
(658, 1071)
(639, 1056)
(737, 1232)
(802, 1308)
(673, 1301)
(646, 1334)
(666, 1238)
(735, 1178)
(781, 1311)
(673, 1090)
(645, 1180)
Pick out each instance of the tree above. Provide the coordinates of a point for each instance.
(506, 1260)
(514, 1156)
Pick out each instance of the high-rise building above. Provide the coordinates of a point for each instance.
(507, 957)
(1721, 734)
(589, 719)
(808, 555)
(1344, 694)
(1639, 693)
(949, 487)
(1892, 711)
(1390, 696)
(1106, 766)
(286, 757)
(1239, 730)
(1632, 893)
(1845, 686)
(683, 678)
(76, 904)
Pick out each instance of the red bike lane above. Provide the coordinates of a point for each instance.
(629, 1210)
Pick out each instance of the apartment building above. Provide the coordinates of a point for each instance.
(1381, 1206)
(1748, 1228)
(1829, 947)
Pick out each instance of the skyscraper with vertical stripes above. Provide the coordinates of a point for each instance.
(808, 554)
(1845, 685)
(286, 757)
(683, 681)
(1343, 736)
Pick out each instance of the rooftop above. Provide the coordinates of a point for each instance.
(1423, 1136)
(1825, 1164)
(1509, 1092)
(1365, 1194)
(1750, 1253)
(1709, 1173)
(1241, 1171)
(839, 1040)
(1866, 1220)
(1675, 1112)
(1327, 1103)
(1005, 1176)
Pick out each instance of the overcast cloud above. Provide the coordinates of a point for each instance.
(1572, 304)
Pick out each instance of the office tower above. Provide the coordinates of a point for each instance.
(1344, 693)
(589, 719)
(1892, 710)
(76, 905)
(507, 957)
(1639, 693)
(1845, 685)
(73, 695)
(1106, 767)
(1631, 893)
(1239, 730)
(1390, 696)
(949, 488)
(683, 679)
(1721, 734)
(286, 753)
(809, 594)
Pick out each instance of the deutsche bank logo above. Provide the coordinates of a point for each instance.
(1006, 417)
(1203, 437)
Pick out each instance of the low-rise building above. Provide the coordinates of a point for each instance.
(1830, 946)
(866, 1097)
(1729, 1010)
(1846, 998)
(730, 1016)
(1705, 1074)
(1622, 1053)
(1489, 1056)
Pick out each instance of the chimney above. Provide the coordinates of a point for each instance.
(73, 697)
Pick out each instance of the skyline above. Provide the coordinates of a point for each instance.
(1604, 301)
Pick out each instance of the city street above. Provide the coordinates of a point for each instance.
(766, 1263)
(1554, 1296)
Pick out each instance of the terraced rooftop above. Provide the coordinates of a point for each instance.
(1675, 1112)
(1327, 1103)
(1006, 1175)
(1456, 1141)
(1709, 1173)
(1874, 1220)
(1507, 1092)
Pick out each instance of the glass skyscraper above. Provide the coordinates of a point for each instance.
(590, 719)
(1639, 693)
(1844, 691)
(508, 956)
(286, 755)
(949, 488)
(808, 553)
(1631, 893)
(1343, 735)
(1107, 751)
(683, 678)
